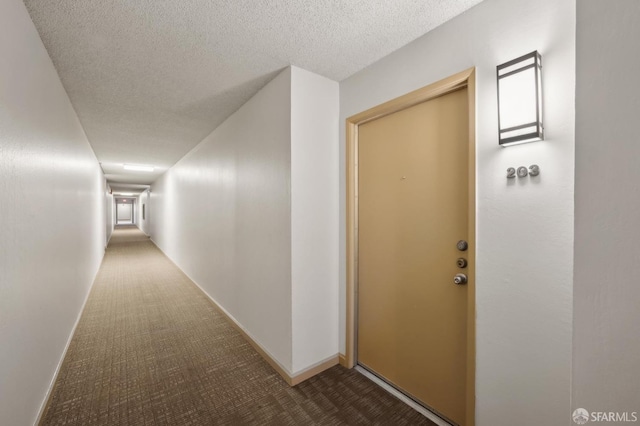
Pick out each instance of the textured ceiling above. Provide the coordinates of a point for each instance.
(150, 79)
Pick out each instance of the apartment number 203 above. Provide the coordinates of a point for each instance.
(522, 171)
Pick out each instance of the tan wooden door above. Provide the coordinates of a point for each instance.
(413, 192)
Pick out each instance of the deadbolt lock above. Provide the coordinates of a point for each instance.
(462, 245)
(461, 262)
(460, 279)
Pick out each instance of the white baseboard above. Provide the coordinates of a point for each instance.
(291, 378)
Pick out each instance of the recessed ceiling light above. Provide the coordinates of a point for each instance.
(138, 168)
(129, 194)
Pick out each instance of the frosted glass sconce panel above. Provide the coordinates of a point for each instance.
(520, 100)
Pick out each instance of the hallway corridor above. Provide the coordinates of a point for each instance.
(151, 349)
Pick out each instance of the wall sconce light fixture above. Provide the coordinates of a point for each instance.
(520, 100)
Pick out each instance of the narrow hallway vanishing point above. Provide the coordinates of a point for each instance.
(152, 349)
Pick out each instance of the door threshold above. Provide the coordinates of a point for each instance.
(402, 397)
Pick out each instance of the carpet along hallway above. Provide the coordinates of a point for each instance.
(151, 349)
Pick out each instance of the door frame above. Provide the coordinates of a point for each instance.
(455, 82)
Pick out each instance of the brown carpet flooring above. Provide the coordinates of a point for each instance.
(151, 349)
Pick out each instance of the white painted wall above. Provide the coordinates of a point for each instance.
(48, 258)
(524, 227)
(109, 213)
(314, 217)
(606, 356)
(251, 215)
(143, 223)
(223, 215)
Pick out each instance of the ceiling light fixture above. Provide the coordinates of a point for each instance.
(129, 194)
(520, 100)
(138, 168)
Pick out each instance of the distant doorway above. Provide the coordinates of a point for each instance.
(124, 212)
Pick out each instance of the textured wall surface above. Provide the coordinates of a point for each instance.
(251, 215)
(143, 223)
(53, 217)
(524, 226)
(606, 352)
(109, 214)
(314, 217)
(223, 214)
